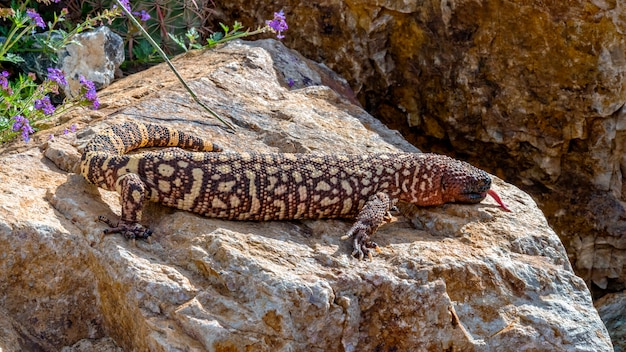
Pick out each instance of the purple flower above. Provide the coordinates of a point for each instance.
(36, 18)
(143, 15)
(90, 91)
(19, 121)
(45, 105)
(72, 129)
(87, 83)
(4, 82)
(125, 4)
(56, 75)
(22, 124)
(290, 82)
(278, 24)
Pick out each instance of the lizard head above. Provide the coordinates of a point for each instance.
(463, 183)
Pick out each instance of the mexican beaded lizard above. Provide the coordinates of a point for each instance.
(270, 186)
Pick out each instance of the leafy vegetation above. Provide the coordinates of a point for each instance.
(26, 101)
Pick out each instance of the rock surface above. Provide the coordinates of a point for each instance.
(454, 278)
(533, 91)
(611, 308)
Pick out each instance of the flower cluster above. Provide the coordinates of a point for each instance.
(44, 105)
(22, 124)
(4, 82)
(124, 3)
(6, 12)
(278, 24)
(36, 18)
(24, 100)
(56, 75)
(25, 112)
(143, 15)
(32, 101)
(90, 91)
(72, 129)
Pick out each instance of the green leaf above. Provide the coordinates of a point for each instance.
(192, 35)
(224, 27)
(178, 41)
(10, 57)
(217, 36)
(143, 51)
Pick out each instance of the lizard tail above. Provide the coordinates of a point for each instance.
(122, 138)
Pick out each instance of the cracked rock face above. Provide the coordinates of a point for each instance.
(457, 277)
(532, 91)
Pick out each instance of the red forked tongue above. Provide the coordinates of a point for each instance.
(495, 196)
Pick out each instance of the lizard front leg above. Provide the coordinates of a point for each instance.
(374, 214)
(132, 191)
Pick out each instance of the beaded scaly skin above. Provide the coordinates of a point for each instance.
(269, 186)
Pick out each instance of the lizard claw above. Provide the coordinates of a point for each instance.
(375, 213)
(362, 245)
(130, 231)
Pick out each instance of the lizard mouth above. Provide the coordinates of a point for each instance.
(479, 195)
(473, 197)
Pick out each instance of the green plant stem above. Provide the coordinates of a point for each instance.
(86, 25)
(229, 37)
(26, 104)
(169, 63)
(8, 44)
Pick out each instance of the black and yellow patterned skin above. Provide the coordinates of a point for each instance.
(269, 186)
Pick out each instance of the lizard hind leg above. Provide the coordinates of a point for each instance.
(375, 213)
(133, 193)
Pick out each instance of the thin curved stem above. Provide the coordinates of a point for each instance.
(169, 63)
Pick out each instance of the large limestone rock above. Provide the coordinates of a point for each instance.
(534, 91)
(453, 278)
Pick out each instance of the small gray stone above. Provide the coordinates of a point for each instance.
(95, 55)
